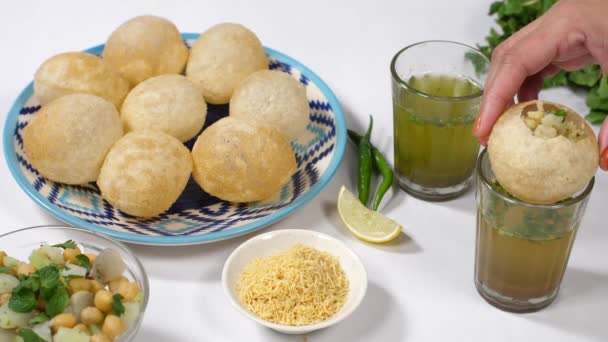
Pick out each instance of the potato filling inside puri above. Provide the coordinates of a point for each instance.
(549, 121)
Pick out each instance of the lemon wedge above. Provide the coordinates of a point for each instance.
(366, 224)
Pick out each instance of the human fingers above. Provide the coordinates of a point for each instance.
(603, 142)
(576, 63)
(530, 88)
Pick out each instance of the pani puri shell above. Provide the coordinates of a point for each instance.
(240, 162)
(167, 103)
(145, 172)
(144, 47)
(272, 98)
(222, 57)
(67, 140)
(78, 72)
(541, 170)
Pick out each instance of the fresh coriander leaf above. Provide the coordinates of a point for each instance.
(39, 318)
(596, 117)
(6, 269)
(117, 307)
(31, 282)
(23, 301)
(57, 302)
(67, 244)
(83, 260)
(29, 335)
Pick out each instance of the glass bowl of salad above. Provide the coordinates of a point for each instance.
(65, 284)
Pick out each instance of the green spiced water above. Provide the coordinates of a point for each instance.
(433, 119)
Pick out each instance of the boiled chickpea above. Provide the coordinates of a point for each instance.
(96, 286)
(78, 284)
(91, 257)
(128, 290)
(100, 338)
(82, 328)
(103, 300)
(25, 269)
(70, 254)
(5, 297)
(2, 255)
(66, 320)
(91, 315)
(114, 284)
(113, 326)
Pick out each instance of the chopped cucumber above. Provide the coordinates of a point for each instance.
(72, 270)
(43, 330)
(10, 262)
(39, 260)
(129, 317)
(79, 301)
(10, 319)
(70, 335)
(7, 283)
(55, 254)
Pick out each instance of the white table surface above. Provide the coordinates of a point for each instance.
(421, 286)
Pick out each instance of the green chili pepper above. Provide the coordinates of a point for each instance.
(381, 165)
(365, 164)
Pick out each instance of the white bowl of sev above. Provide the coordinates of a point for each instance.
(294, 281)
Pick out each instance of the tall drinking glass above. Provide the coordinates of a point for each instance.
(522, 249)
(437, 88)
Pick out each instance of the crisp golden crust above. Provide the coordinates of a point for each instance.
(144, 47)
(67, 140)
(167, 103)
(272, 98)
(145, 172)
(222, 57)
(78, 72)
(537, 169)
(240, 162)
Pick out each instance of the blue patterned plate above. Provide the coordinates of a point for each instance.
(196, 217)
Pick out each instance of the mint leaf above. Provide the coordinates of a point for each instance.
(117, 307)
(39, 318)
(557, 80)
(587, 76)
(49, 276)
(23, 300)
(83, 260)
(596, 117)
(595, 101)
(513, 7)
(67, 244)
(6, 269)
(29, 335)
(57, 302)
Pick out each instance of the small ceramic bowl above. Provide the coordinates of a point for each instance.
(272, 242)
(20, 243)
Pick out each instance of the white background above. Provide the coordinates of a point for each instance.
(421, 286)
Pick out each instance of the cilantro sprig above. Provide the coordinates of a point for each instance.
(511, 16)
(66, 245)
(83, 260)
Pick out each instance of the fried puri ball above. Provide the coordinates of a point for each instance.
(272, 98)
(542, 152)
(79, 72)
(144, 47)
(222, 57)
(240, 162)
(167, 103)
(67, 140)
(145, 172)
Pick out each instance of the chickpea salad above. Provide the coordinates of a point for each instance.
(65, 295)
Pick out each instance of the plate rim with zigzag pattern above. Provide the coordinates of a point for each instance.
(11, 157)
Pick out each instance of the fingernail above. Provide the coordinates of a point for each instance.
(476, 125)
(604, 160)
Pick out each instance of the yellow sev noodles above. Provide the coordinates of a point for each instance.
(298, 286)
